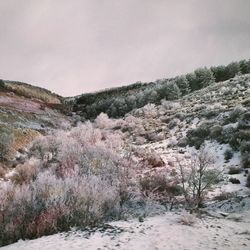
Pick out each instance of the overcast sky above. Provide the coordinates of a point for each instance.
(76, 46)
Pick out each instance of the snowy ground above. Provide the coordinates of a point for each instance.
(160, 232)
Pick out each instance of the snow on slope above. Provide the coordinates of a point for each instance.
(163, 232)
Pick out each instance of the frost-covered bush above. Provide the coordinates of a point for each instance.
(51, 204)
(139, 140)
(149, 111)
(170, 105)
(133, 125)
(102, 121)
(64, 125)
(87, 178)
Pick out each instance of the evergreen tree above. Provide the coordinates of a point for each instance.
(219, 73)
(204, 77)
(232, 70)
(169, 91)
(183, 84)
(191, 78)
(245, 66)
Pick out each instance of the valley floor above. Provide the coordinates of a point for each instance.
(159, 232)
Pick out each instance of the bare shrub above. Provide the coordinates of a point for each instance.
(170, 105)
(198, 176)
(150, 111)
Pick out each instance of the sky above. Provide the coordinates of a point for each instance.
(76, 46)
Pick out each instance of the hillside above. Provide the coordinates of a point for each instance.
(116, 102)
(27, 111)
(154, 153)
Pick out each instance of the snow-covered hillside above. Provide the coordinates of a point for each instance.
(144, 164)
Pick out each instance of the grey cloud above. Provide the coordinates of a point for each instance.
(79, 46)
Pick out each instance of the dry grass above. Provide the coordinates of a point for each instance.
(24, 137)
(25, 173)
(33, 92)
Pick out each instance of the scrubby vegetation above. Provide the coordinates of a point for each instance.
(133, 156)
(30, 91)
(116, 102)
(72, 178)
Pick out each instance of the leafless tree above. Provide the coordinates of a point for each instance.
(198, 176)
